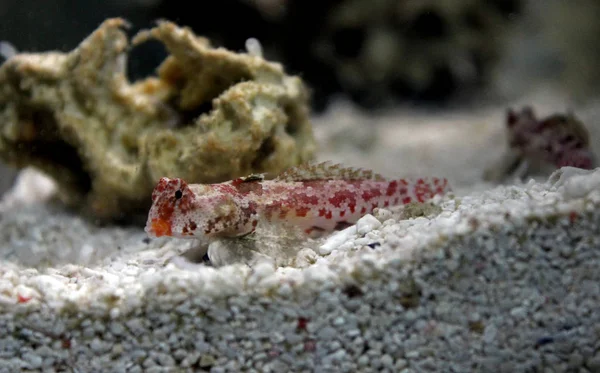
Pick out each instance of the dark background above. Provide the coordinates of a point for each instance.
(552, 39)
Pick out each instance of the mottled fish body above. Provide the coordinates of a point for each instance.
(317, 198)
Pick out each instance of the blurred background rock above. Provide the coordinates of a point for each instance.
(376, 53)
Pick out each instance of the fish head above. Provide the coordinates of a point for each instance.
(187, 210)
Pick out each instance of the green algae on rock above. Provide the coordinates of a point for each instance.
(209, 115)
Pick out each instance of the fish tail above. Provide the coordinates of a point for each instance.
(426, 188)
(404, 191)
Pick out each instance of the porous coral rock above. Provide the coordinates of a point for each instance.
(209, 115)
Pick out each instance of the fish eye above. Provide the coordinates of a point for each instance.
(178, 194)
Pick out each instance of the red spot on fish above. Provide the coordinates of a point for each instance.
(165, 211)
(187, 229)
(328, 215)
(366, 195)
(423, 192)
(403, 191)
(161, 227)
(322, 212)
(160, 188)
(309, 200)
(342, 213)
(236, 182)
(406, 200)
(212, 224)
(369, 194)
(352, 207)
(386, 203)
(363, 210)
(391, 189)
(302, 211)
(250, 187)
(342, 196)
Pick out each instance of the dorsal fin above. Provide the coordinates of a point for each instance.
(327, 171)
(253, 177)
(247, 179)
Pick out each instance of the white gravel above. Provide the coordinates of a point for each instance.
(494, 279)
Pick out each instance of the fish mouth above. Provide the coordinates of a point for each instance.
(158, 227)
